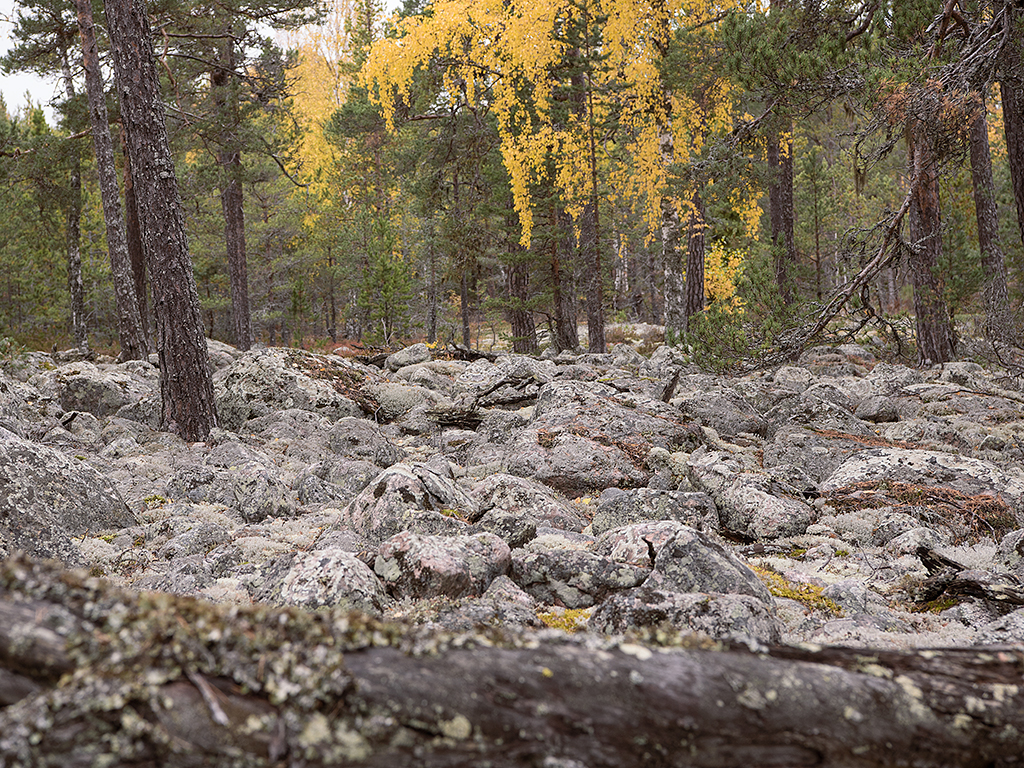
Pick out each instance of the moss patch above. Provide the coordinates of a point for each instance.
(808, 595)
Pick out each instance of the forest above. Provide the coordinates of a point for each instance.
(753, 176)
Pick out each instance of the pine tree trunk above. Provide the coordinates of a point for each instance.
(133, 234)
(780, 208)
(935, 340)
(73, 236)
(229, 157)
(186, 387)
(590, 251)
(524, 331)
(1011, 89)
(695, 256)
(133, 340)
(566, 332)
(998, 318)
(671, 257)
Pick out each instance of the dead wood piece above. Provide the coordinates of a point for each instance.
(170, 681)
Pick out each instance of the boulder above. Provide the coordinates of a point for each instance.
(417, 353)
(263, 381)
(414, 497)
(102, 392)
(329, 577)
(572, 578)
(525, 499)
(692, 562)
(930, 468)
(726, 617)
(692, 508)
(254, 490)
(418, 566)
(46, 498)
(361, 439)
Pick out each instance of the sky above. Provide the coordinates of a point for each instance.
(14, 87)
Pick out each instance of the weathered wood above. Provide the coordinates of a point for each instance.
(152, 679)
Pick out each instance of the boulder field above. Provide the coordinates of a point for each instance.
(839, 500)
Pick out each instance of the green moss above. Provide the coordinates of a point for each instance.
(808, 595)
(154, 499)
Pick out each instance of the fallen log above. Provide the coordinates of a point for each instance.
(123, 679)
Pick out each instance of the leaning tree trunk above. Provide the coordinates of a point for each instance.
(935, 340)
(998, 318)
(133, 339)
(186, 386)
(90, 675)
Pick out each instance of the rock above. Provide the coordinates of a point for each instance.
(328, 577)
(637, 543)
(525, 499)
(889, 380)
(262, 381)
(573, 579)
(417, 566)
(85, 387)
(930, 468)
(721, 408)
(878, 410)
(411, 497)
(692, 562)
(727, 617)
(1007, 630)
(363, 440)
(417, 353)
(503, 605)
(694, 509)
(46, 498)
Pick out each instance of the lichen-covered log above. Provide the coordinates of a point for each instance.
(97, 676)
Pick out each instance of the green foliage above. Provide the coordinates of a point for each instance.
(808, 595)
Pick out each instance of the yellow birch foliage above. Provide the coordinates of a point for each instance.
(507, 50)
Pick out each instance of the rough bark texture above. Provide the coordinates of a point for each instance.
(92, 675)
(671, 258)
(695, 256)
(566, 334)
(935, 340)
(524, 331)
(133, 233)
(998, 318)
(229, 157)
(133, 340)
(1011, 89)
(780, 207)
(185, 382)
(73, 234)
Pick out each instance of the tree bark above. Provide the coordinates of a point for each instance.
(935, 340)
(524, 331)
(1011, 89)
(695, 256)
(671, 258)
(91, 675)
(780, 209)
(566, 332)
(998, 318)
(229, 158)
(186, 386)
(73, 233)
(133, 233)
(133, 339)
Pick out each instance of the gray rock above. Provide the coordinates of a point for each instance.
(889, 380)
(1006, 630)
(332, 577)
(962, 473)
(638, 543)
(1010, 552)
(573, 579)
(503, 605)
(417, 566)
(721, 408)
(692, 562)
(878, 410)
(516, 530)
(526, 499)
(411, 497)
(262, 381)
(361, 439)
(694, 509)
(199, 539)
(45, 498)
(727, 617)
(417, 353)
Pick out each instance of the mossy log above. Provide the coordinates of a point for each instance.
(93, 675)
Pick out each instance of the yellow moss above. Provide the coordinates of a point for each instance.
(805, 594)
(569, 620)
